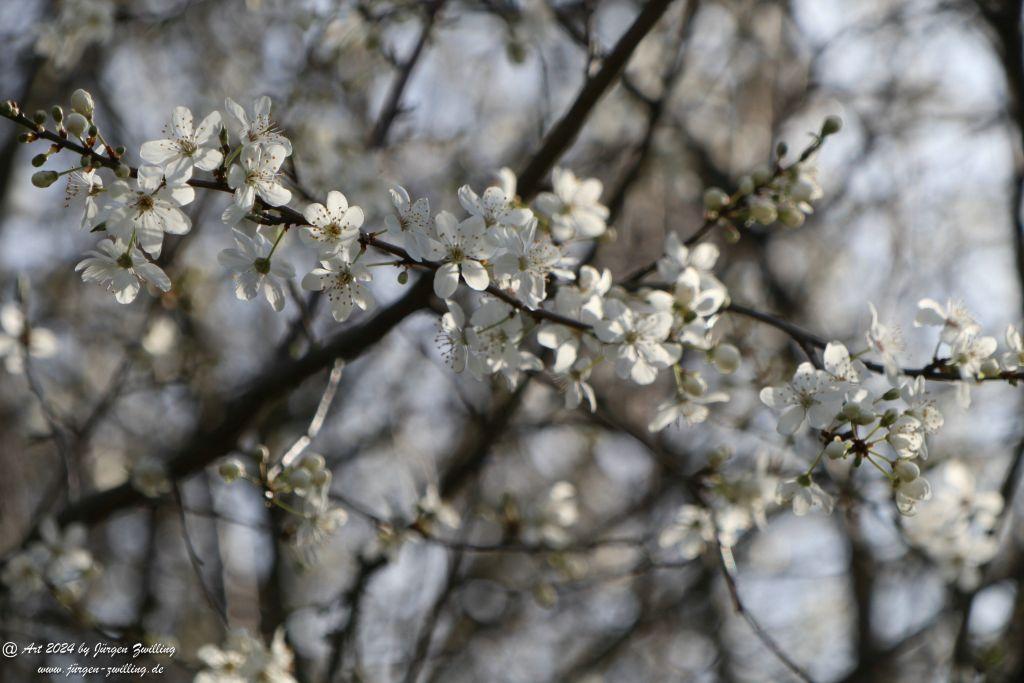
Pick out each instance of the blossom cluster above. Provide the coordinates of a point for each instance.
(57, 562)
(299, 485)
(886, 426)
(244, 658)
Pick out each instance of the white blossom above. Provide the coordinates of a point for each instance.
(1013, 357)
(17, 339)
(83, 188)
(678, 258)
(812, 395)
(460, 246)
(186, 144)
(574, 206)
(640, 341)
(452, 338)
(804, 494)
(256, 174)
(409, 227)
(583, 301)
(686, 408)
(497, 205)
(244, 658)
(343, 279)
(331, 227)
(122, 270)
(253, 269)
(149, 476)
(257, 129)
(526, 264)
(152, 208)
(494, 339)
(887, 342)
(969, 353)
(691, 530)
(954, 319)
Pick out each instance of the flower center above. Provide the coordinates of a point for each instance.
(261, 265)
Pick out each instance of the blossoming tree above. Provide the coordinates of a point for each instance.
(396, 395)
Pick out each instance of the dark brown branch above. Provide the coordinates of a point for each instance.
(562, 135)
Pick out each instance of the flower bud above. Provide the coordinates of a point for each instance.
(321, 477)
(123, 171)
(39, 159)
(891, 395)
(44, 178)
(781, 149)
(313, 462)
(403, 277)
(906, 470)
(889, 417)
(763, 210)
(692, 383)
(791, 216)
(81, 102)
(836, 449)
(802, 190)
(9, 108)
(761, 175)
(865, 417)
(300, 478)
(832, 124)
(726, 358)
(746, 185)
(39, 117)
(715, 198)
(231, 469)
(57, 113)
(76, 124)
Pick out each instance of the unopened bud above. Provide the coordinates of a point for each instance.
(781, 149)
(123, 171)
(231, 469)
(81, 102)
(76, 124)
(763, 210)
(906, 470)
(57, 113)
(693, 384)
(715, 198)
(746, 185)
(93, 131)
(39, 117)
(403, 277)
(313, 462)
(44, 178)
(863, 418)
(791, 216)
(836, 449)
(726, 358)
(300, 478)
(832, 124)
(9, 108)
(120, 151)
(889, 417)
(39, 159)
(891, 395)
